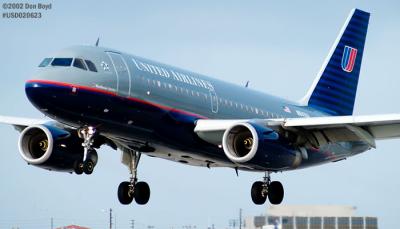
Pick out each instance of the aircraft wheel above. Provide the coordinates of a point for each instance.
(88, 166)
(257, 193)
(275, 192)
(78, 167)
(142, 193)
(92, 155)
(124, 193)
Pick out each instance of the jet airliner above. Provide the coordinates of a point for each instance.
(95, 96)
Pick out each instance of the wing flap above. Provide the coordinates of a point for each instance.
(387, 131)
(367, 128)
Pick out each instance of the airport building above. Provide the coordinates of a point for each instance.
(311, 217)
(72, 227)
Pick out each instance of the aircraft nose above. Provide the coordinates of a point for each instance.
(37, 93)
(44, 94)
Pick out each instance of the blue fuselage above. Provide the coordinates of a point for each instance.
(136, 102)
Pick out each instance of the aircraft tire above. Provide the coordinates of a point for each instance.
(275, 192)
(78, 167)
(124, 196)
(256, 193)
(142, 193)
(93, 156)
(88, 166)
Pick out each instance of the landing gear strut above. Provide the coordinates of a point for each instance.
(260, 190)
(89, 161)
(132, 189)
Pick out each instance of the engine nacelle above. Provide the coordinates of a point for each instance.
(241, 141)
(259, 145)
(49, 147)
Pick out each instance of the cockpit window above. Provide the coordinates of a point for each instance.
(61, 62)
(45, 62)
(79, 64)
(91, 66)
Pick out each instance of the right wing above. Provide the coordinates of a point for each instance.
(315, 130)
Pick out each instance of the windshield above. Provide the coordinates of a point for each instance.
(91, 66)
(45, 62)
(79, 64)
(61, 62)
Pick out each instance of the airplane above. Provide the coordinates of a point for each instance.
(95, 96)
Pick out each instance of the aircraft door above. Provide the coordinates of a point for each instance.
(214, 101)
(122, 72)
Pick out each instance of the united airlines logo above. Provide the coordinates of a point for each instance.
(349, 58)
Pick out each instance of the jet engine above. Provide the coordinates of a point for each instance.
(242, 141)
(250, 142)
(51, 148)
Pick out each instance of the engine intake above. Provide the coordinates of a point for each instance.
(50, 148)
(240, 142)
(36, 144)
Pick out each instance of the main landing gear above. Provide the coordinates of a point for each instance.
(89, 161)
(260, 190)
(129, 190)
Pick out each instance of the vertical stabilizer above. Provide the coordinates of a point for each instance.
(334, 89)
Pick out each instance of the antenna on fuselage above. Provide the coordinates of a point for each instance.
(247, 84)
(97, 42)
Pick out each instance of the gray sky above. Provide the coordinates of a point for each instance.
(278, 45)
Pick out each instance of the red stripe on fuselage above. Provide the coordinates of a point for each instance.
(102, 91)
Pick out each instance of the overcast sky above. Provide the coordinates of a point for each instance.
(278, 45)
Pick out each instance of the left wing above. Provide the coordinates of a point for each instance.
(316, 130)
(21, 123)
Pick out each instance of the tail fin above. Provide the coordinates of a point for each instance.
(334, 89)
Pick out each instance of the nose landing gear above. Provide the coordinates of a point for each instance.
(90, 157)
(261, 190)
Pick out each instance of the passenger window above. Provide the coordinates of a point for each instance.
(91, 66)
(79, 64)
(62, 62)
(45, 62)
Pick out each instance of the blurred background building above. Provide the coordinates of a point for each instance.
(311, 217)
(72, 227)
